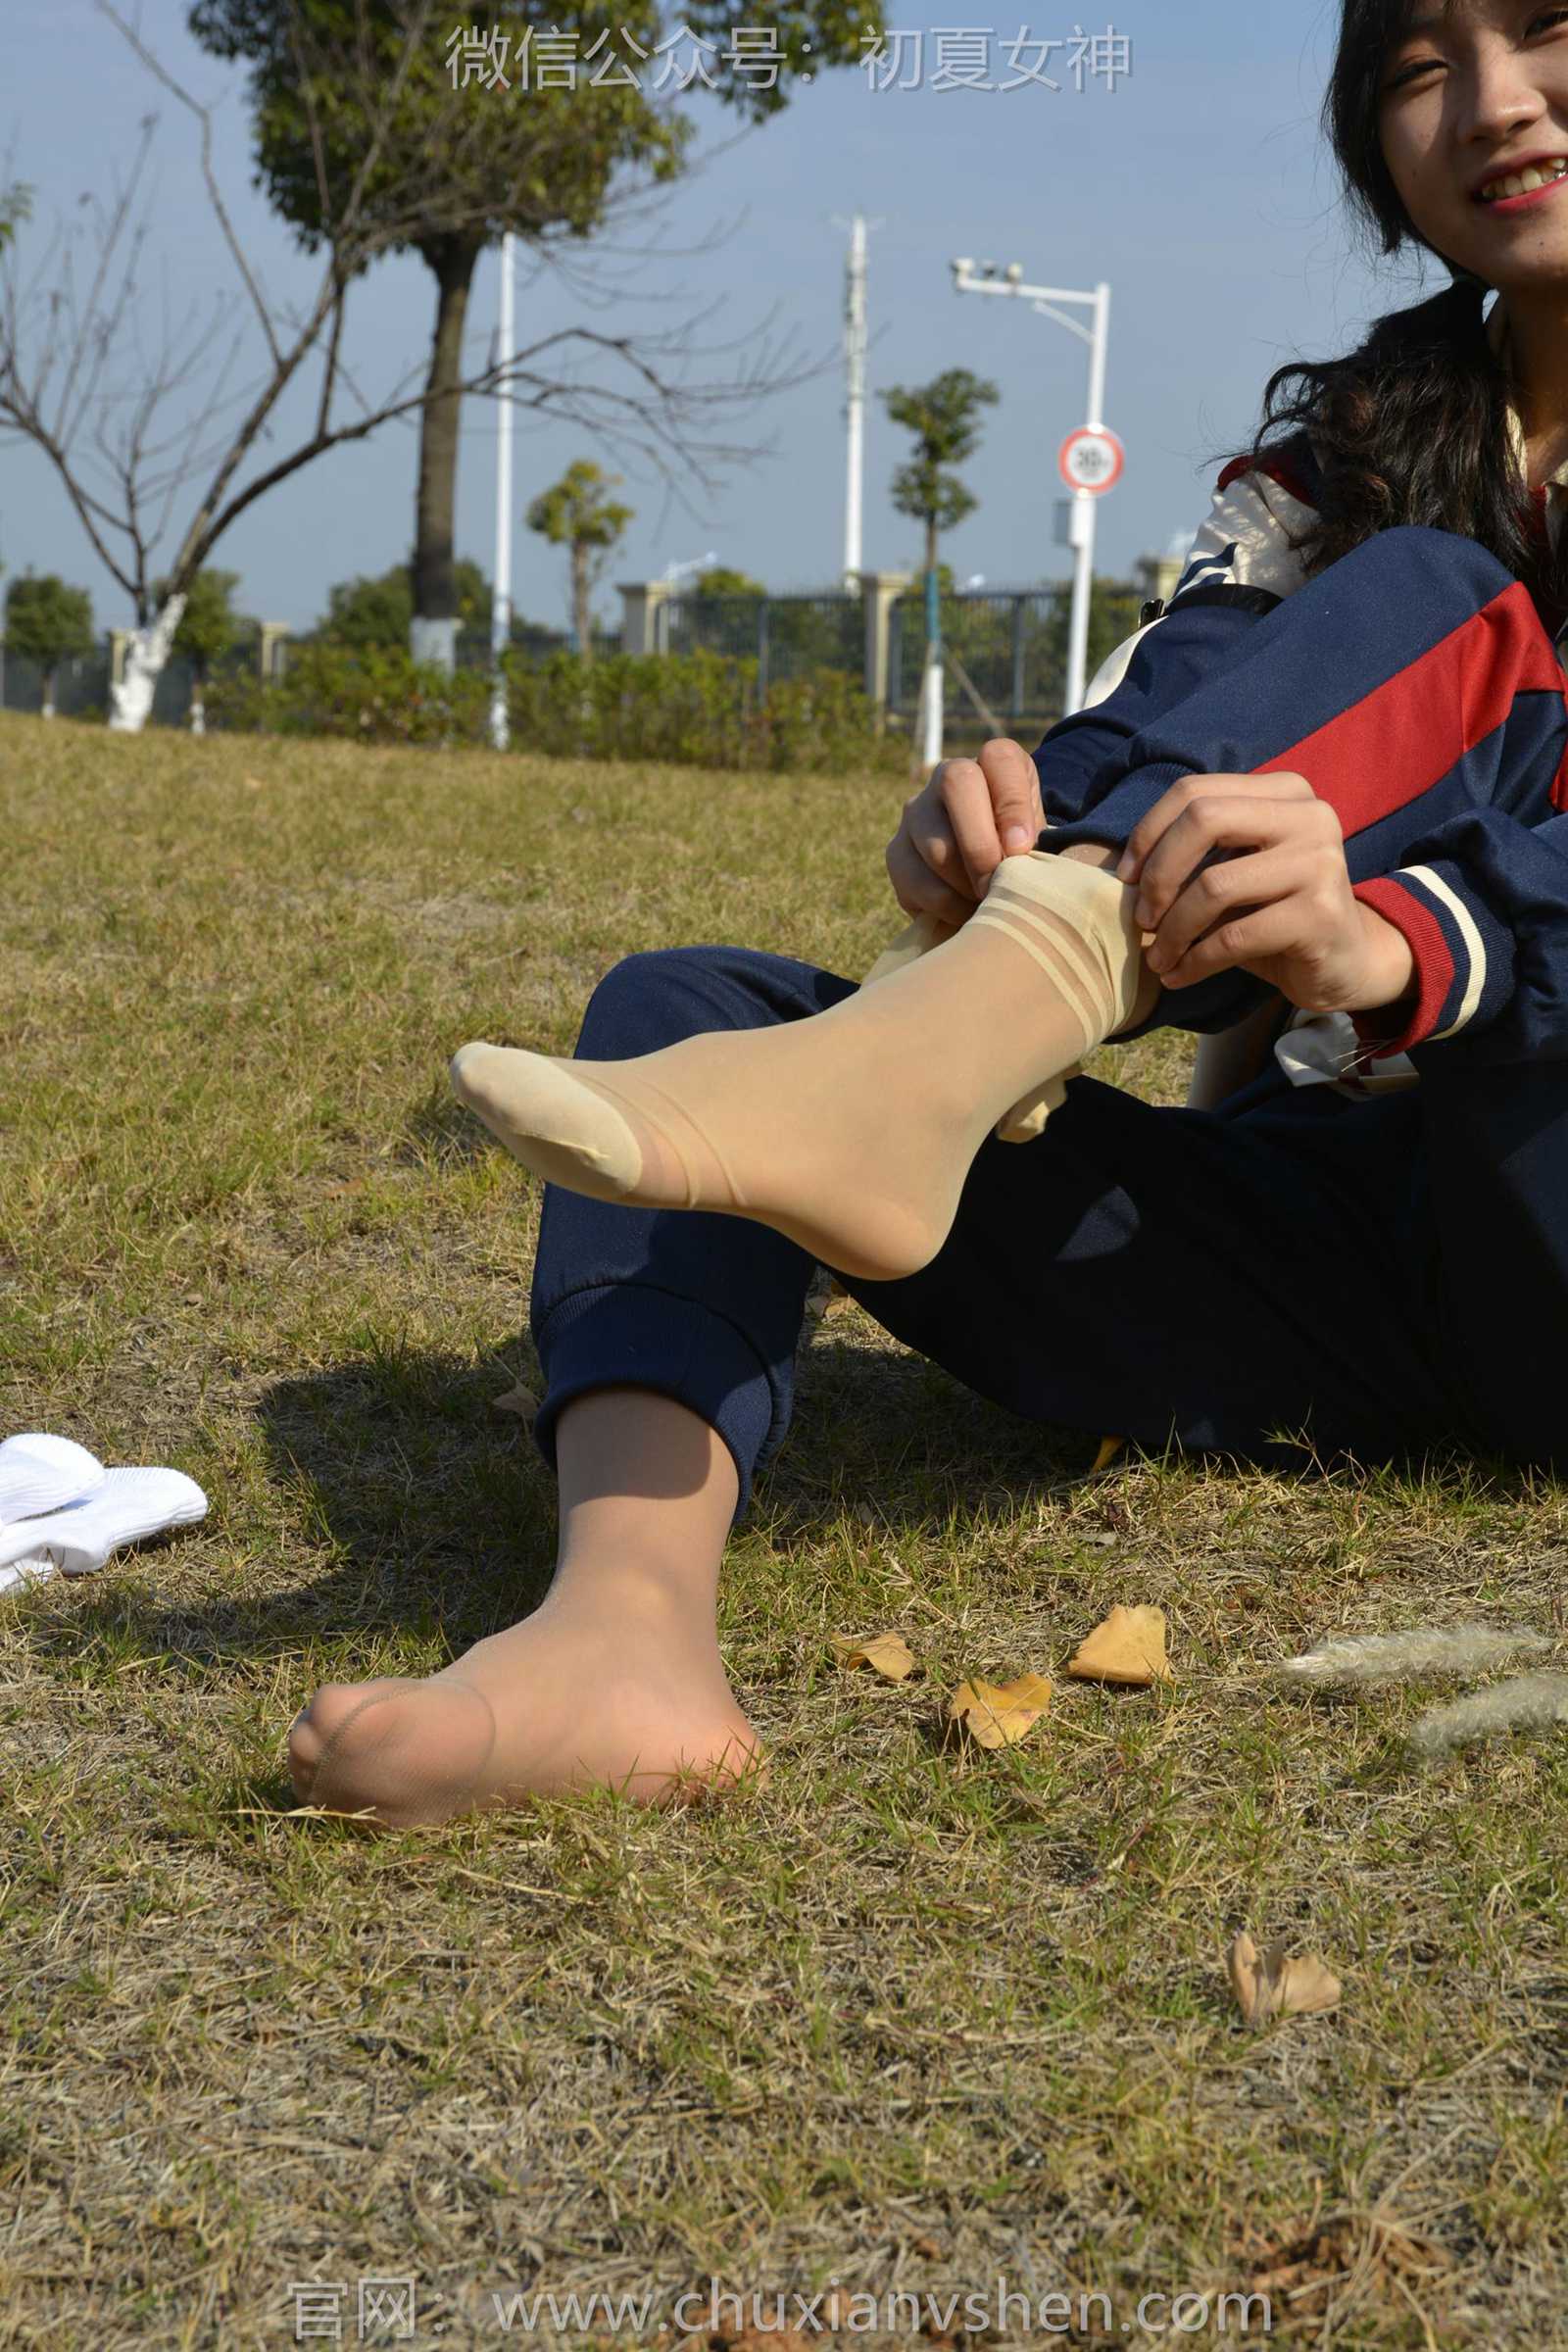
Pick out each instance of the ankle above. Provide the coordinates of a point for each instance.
(1106, 858)
(637, 1590)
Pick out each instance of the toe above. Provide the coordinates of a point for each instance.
(406, 1752)
(468, 1069)
(323, 1726)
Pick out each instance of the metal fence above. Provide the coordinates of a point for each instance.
(81, 687)
(788, 635)
(1012, 644)
(529, 639)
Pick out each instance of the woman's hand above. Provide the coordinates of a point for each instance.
(1275, 899)
(955, 832)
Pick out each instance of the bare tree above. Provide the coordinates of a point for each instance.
(169, 439)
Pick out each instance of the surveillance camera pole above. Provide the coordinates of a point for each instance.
(1081, 516)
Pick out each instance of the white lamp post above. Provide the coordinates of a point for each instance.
(1045, 299)
(501, 594)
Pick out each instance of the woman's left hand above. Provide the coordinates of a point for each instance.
(1278, 903)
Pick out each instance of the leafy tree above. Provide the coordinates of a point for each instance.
(477, 160)
(721, 580)
(377, 610)
(48, 622)
(941, 417)
(576, 514)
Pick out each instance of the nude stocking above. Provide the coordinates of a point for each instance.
(850, 1131)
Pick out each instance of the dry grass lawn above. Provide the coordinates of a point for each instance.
(909, 2018)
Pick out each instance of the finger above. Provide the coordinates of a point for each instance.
(1285, 785)
(1015, 785)
(967, 798)
(1250, 935)
(1213, 822)
(935, 843)
(918, 890)
(1217, 892)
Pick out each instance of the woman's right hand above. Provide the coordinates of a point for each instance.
(955, 832)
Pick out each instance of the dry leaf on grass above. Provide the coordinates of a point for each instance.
(889, 1654)
(1276, 1983)
(1110, 1448)
(519, 1401)
(1306, 2270)
(997, 1714)
(826, 1296)
(1127, 1646)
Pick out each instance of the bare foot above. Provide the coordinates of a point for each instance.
(623, 1692)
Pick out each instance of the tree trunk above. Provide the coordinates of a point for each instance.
(198, 704)
(580, 619)
(434, 629)
(48, 710)
(130, 701)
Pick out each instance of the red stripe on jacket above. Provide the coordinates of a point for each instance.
(1386, 750)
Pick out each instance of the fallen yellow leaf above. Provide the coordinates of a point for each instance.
(520, 1401)
(888, 1653)
(1276, 1983)
(1110, 1448)
(1127, 1646)
(997, 1714)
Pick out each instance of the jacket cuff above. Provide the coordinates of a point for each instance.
(1448, 942)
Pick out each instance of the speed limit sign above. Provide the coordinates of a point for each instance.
(1091, 459)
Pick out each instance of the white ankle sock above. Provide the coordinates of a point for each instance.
(130, 1505)
(41, 1473)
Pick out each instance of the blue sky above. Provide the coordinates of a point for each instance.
(1198, 187)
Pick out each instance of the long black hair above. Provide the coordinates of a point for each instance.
(1410, 427)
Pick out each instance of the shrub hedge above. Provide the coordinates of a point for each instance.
(699, 709)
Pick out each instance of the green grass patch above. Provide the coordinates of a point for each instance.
(912, 2017)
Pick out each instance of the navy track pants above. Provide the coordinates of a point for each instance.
(1295, 1276)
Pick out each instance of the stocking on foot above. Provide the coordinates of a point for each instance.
(850, 1131)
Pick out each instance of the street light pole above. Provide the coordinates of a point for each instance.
(501, 594)
(1081, 513)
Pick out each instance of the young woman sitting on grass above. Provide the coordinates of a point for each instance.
(1315, 807)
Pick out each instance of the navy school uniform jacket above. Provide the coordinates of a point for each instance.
(1481, 899)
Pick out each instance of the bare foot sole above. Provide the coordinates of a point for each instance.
(530, 1712)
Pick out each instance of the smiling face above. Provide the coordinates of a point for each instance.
(1474, 94)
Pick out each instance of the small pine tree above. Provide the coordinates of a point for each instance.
(576, 514)
(48, 622)
(942, 416)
